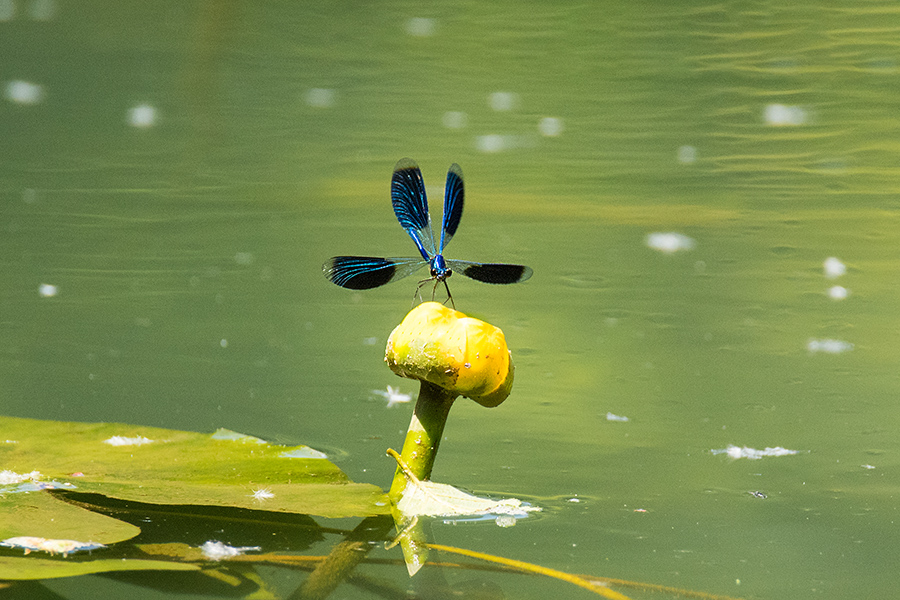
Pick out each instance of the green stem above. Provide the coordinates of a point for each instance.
(424, 435)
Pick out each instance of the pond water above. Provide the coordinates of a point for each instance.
(175, 174)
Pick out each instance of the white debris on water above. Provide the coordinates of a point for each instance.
(838, 292)
(53, 547)
(421, 26)
(780, 115)
(142, 116)
(828, 346)
(262, 494)
(120, 440)
(834, 268)
(24, 92)
(393, 396)
(9, 477)
(752, 453)
(669, 242)
(213, 550)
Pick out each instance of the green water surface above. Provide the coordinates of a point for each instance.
(174, 174)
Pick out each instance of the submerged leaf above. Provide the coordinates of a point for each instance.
(24, 568)
(44, 515)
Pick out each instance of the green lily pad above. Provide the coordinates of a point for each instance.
(163, 466)
(154, 466)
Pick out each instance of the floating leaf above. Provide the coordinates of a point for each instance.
(181, 467)
(426, 498)
(153, 466)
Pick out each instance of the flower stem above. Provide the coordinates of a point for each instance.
(424, 435)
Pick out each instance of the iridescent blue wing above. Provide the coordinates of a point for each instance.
(411, 205)
(491, 272)
(366, 272)
(454, 196)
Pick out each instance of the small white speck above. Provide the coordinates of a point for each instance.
(223, 342)
(838, 292)
(218, 551)
(551, 126)
(454, 119)
(687, 155)
(262, 494)
(752, 453)
(834, 268)
(320, 97)
(503, 101)
(142, 116)
(828, 346)
(47, 290)
(574, 500)
(120, 440)
(491, 143)
(24, 92)
(612, 417)
(780, 115)
(421, 26)
(670, 242)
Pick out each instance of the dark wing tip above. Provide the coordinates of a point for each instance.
(498, 273)
(359, 272)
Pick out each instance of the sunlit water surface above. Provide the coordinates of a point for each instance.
(174, 175)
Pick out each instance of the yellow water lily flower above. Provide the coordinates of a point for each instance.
(460, 354)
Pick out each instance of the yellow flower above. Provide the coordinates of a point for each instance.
(460, 354)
